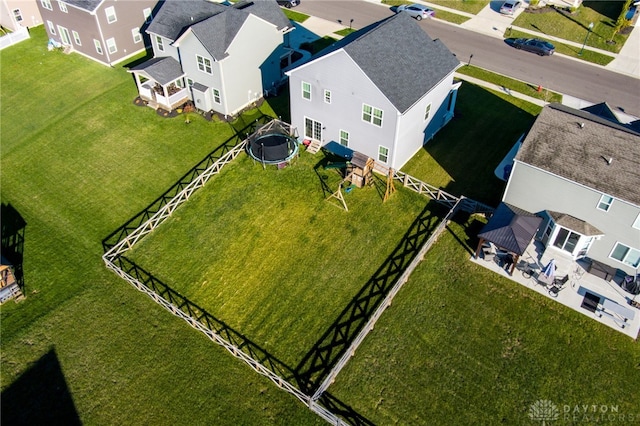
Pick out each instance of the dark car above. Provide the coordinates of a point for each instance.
(541, 47)
(288, 3)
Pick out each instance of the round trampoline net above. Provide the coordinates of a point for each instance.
(273, 143)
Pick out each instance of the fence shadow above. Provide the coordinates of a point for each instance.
(325, 353)
(141, 217)
(13, 229)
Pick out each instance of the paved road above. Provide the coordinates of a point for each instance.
(572, 77)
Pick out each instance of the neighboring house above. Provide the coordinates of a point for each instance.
(581, 173)
(15, 14)
(108, 31)
(221, 57)
(384, 91)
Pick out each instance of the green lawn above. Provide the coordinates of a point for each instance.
(462, 346)
(79, 159)
(574, 27)
(270, 262)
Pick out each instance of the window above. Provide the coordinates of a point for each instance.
(344, 138)
(111, 45)
(627, 255)
(62, 6)
(17, 15)
(135, 33)
(46, 4)
(636, 224)
(383, 153)
(372, 115)
(204, 64)
(312, 129)
(189, 82)
(76, 37)
(216, 96)
(98, 46)
(327, 96)
(566, 240)
(64, 35)
(147, 15)
(160, 43)
(111, 14)
(427, 112)
(605, 202)
(52, 28)
(306, 91)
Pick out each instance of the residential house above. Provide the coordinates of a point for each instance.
(383, 91)
(221, 57)
(581, 173)
(16, 14)
(107, 31)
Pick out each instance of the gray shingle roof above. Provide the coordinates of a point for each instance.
(88, 5)
(163, 70)
(400, 58)
(559, 144)
(175, 16)
(575, 224)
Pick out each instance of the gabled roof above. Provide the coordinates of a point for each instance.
(176, 16)
(578, 145)
(88, 5)
(398, 57)
(163, 70)
(511, 228)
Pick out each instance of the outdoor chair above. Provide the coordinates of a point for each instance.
(488, 252)
(558, 284)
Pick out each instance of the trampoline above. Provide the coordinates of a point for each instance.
(273, 143)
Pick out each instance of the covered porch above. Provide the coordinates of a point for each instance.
(160, 83)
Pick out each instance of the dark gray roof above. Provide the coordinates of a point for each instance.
(175, 16)
(88, 5)
(511, 228)
(199, 87)
(163, 70)
(400, 58)
(558, 143)
(575, 224)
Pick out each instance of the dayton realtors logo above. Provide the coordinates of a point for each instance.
(544, 411)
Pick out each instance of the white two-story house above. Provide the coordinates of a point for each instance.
(581, 174)
(221, 57)
(384, 91)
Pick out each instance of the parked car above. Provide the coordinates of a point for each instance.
(288, 3)
(417, 11)
(541, 47)
(510, 7)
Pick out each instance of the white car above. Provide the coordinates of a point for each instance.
(510, 7)
(417, 11)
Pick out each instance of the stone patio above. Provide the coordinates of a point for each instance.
(580, 282)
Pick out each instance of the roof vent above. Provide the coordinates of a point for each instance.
(582, 125)
(608, 160)
(192, 19)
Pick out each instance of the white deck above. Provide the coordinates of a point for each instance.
(572, 294)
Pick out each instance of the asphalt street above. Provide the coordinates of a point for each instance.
(562, 74)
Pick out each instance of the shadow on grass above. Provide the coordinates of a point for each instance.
(609, 9)
(325, 353)
(13, 228)
(469, 149)
(240, 127)
(40, 396)
(471, 226)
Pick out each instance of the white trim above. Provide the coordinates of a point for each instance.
(63, 6)
(136, 34)
(15, 15)
(327, 92)
(204, 64)
(76, 37)
(636, 223)
(52, 28)
(98, 46)
(213, 94)
(626, 254)
(107, 11)
(147, 13)
(111, 42)
(608, 205)
(340, 137)
(159, 42)
(46, 4)
(373, 114)
(387, 154)
(303, 91)
(427, 111)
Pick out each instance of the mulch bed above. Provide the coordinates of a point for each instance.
(139, 101)
(167, 114)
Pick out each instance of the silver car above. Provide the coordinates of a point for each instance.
(510, 7)
(417, 11)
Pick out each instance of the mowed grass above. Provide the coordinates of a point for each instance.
(264, 252)
(461, 345)
(78, 160)
(574, 27)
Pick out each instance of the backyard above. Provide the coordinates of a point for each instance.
(263, 250)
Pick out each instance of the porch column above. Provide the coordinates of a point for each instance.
(479, 247)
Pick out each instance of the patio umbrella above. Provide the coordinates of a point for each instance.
(550, 269)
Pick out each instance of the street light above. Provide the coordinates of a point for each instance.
(586, 37)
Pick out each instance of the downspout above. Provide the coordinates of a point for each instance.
(223, 92)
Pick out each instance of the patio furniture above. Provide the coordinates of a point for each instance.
(618, 313)
(631, 284)
(545, 280)
(601, 270)
(558, 284)
(590, 302)
(488, 252)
